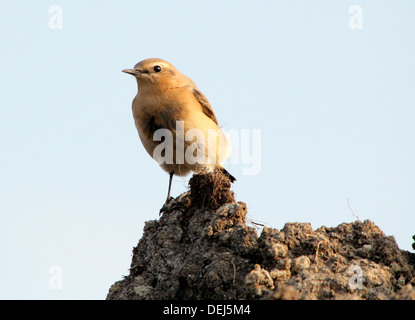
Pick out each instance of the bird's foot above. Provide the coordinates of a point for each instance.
(165, 205)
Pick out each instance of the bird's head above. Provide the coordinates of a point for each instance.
(157, 73)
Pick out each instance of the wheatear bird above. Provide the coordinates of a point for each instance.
(167, 99)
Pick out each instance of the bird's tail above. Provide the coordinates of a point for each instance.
(226, 173)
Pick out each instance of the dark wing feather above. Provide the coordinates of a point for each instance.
(206, 107)
(164, 120)
(168, 117)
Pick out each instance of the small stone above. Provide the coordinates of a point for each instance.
(143, 291)
(259, 281)
(395, 267)
(367, 247)
(278, 251)
(288, 292)
(280, 275)
(300, 264)
(208, 231)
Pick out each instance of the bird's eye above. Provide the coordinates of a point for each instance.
(157, 68)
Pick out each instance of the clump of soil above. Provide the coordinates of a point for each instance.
(210, 190)
(202, 248)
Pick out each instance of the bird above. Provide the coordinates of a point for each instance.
(169, 101)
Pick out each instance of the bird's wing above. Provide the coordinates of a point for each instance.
(206, 107)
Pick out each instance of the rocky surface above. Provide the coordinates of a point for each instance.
(202, 248)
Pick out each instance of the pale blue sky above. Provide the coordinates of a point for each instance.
(335, 107)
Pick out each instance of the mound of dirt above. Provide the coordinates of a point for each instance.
(202, 248)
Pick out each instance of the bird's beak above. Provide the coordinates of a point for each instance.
(132, 71)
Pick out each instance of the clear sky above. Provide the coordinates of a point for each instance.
(330, 91)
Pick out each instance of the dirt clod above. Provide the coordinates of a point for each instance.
(210, 190)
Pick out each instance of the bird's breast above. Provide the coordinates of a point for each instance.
(154, 111)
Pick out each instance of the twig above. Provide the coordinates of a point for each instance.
(348, 204)
(258, 224)
(234, 272)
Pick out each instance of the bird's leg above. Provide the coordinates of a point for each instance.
(168, 193)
